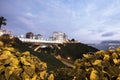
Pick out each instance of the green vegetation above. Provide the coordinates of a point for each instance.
(74, 50)
(19, 62)
(102, 65)
(51, 61)
(15, 65)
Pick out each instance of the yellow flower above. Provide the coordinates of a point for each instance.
(94, 75)
(1, 43)
(97, 62)
(106, 57)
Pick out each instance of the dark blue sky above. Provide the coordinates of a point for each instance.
(84, 20)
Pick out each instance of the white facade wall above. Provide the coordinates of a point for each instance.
(59, 36)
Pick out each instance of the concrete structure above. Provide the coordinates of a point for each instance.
(40, 43)
(59, 36)
(31, 35)
(38, 36)
(37, 41)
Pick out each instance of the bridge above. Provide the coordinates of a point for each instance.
(39, 43)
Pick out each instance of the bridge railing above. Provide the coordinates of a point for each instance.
(40, 41)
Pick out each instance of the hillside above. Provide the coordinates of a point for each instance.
(52, 62)
(74, 50)
(19, 62)
(20, 65)
(101, 65)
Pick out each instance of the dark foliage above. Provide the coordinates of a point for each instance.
(51, 61)
(2, 21)
(75, 50)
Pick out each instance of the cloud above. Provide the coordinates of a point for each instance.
(80, 19)
(108, 34)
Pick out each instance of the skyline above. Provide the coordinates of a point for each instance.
(83, 20)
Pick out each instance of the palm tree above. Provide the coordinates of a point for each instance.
(2, 21)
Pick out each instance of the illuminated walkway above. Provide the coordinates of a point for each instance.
(27, 40)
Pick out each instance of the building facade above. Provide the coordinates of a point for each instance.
(2, 32)
(59, 36)
(38, 36)
(31, 35)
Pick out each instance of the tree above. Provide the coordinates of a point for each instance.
(73, 40)
(2, 21)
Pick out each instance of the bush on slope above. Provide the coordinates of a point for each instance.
(15, 65)
(75, 50)
(102, 65)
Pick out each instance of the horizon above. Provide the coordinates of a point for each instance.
(84, 20)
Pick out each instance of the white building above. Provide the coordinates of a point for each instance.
(2, 32)
(59, 36)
